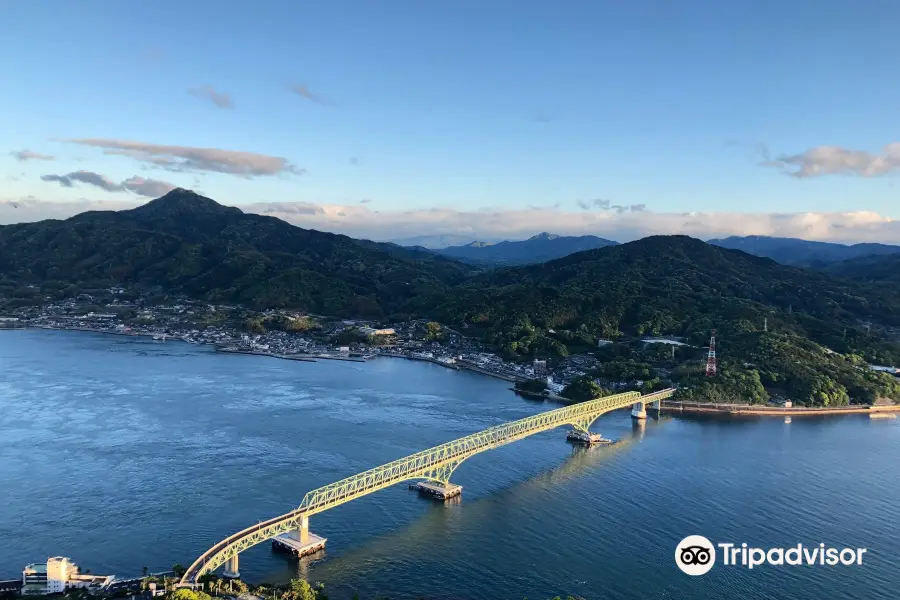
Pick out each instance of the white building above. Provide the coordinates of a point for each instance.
(56, 575)
(555, 388)
(377, 331)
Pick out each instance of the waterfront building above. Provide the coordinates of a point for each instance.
(540, 367)
(376, 331)
(58, 574)
(102, 316)
(10, 323)
(555, 388)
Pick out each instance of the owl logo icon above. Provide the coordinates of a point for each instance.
(695, 555)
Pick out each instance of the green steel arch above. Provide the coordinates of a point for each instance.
(434, 464)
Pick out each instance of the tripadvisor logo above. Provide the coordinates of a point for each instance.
(696, 555)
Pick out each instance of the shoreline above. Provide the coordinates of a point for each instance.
(774, 411)
(739, 410)
(300, 358)
(537, 396)
(476, 369)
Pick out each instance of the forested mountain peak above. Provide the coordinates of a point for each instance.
(187, 243)
(180, 202)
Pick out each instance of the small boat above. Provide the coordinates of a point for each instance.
(588, 439)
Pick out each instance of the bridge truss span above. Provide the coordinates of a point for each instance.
(435, 464)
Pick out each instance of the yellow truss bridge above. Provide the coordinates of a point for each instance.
(435, 465)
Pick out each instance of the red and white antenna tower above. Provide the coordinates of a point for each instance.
(711, 359)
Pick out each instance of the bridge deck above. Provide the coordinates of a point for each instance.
(433, 464)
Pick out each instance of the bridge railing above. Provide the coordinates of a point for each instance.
(415, 466)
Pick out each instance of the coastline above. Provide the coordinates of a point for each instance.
(537, 396)
(477, 369)
(672, 407)
(774, 411)
(457, 366)
(301, 358)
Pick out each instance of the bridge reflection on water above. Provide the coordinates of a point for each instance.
(433, 529)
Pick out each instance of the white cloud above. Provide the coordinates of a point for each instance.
(834, 160)
(150, 188)
(89, 177)
(362, 221)
(190, 159)
(208, 92)
(304, 92)
(23, 155)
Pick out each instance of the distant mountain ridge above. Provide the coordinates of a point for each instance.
(874, 268)
(536, 249)
(802, 253)
(434, 242)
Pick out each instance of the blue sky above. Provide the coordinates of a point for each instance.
(467, 105)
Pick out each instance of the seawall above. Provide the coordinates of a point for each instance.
(773, 411)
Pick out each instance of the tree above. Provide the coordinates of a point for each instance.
(299, 590)
(207, 580)
(188, 594)
(583, 389)
(144, 571)
(432, 331)
(535, 386)
(254, 326)
(178, 569)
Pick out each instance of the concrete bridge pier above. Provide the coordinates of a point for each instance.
(303, 531)
(437, 489)
(231, 568)
(639, 410)
(300, 541)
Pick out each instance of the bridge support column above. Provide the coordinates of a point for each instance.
(437, 489)
(231, 568)
(300, 541)
(639, 410)
(303, 531)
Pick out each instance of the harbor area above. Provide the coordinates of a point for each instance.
(587, 439)
(290, 542)
(437, 490)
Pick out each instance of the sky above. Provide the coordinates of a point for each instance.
(485, 119)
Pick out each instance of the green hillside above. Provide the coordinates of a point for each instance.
(187, 243)
(822, 330)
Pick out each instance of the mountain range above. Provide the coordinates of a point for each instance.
(539, 248)
(802, 253)
(884, 269)
(769, 314)
(434, 242)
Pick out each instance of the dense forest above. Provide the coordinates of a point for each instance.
(191, 244)
(788, 331)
